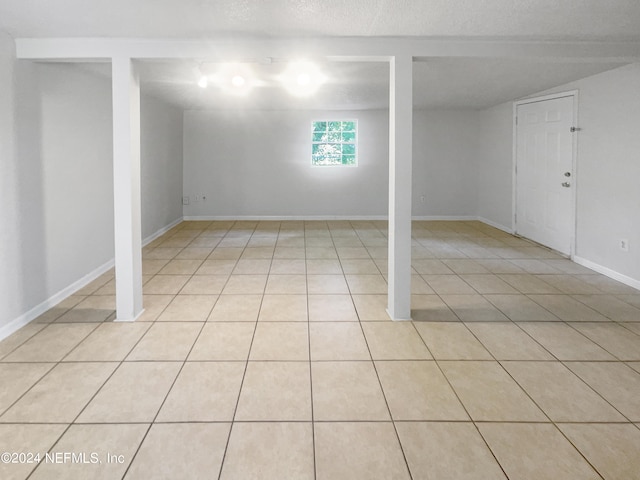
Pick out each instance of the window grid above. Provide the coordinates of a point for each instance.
(334, 143)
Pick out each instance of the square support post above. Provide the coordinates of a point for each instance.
(400, 164)
(126, 189)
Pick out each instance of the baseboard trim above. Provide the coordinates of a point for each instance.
(496, 225)
(632, 282)
(283, 217)
(52, 301)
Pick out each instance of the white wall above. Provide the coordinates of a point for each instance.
(161, 164)
(11, 276)
(445, 154)
(57, 180)
(494, 165)
(258, 163)
(607, 175)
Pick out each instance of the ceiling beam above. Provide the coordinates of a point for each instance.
(333, 48)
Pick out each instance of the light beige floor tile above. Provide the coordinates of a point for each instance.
(223, 341)
(323, 267)
(110, 342)
(327, 284)
(153, 305)
(611, 307)
(205, 242)
(366, 284)
(205, 285)
(448, 285)
(252, 266)
(292, 253)
(431, 308)
(568, 309)
(280, 341)
(447, 451)
(521, 308)
(338, 341)
(324, 253)
(166, 341)
(181, 450)
(194, 253)
(362, 266)
(631, 299)
(275, 391)
(488, 284)
(615, 381)
(289, 453)
(283, 308)
(614, 450)
(134, 393)
(68, 387)
(507, 341)
(236, 308)
(179, 267)
(430, 267)
(166, 253)
(560, 394)
(569, 284)
(19, 337)
(60, 309)
(225, 253)
(499, 266)
(258, 252)
(215, 266)
(489, 393)
(286, 284)
(92, 309)
(332, 308)
(352, 253)
(358, 451)
(17, 378)
(418, 391)
(175, 242)
(288, 266)
(419, 286)
(614, 338)
(567, 266)
(608, 285)
(464, 266)
(188, 308)
(564, 342)
(473, 308)
(204, 392)
(165, 284)
(97, 443)
(394, 341)
(451, 341)
(51, 344)
(532, 265)
(23, 438)
(347, 391)
(245, 284)
(535, 451)
(634, 365)
(371, 307)
(528, 284)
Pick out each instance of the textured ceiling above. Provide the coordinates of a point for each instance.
(439, 82)
(531, 19)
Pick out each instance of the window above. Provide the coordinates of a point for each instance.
(334, 143)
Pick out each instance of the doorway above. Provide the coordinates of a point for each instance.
(545, 179)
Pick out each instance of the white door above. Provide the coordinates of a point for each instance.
(544, 172)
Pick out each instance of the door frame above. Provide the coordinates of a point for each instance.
(574, 162)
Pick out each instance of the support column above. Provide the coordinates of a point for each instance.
(400, 163)
(126, 189)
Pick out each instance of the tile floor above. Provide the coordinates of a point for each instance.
(265, 352)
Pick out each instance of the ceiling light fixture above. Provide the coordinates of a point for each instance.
(203, 82)
(302, 79)
(238, 81)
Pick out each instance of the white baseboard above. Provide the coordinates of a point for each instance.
(283, 217)
(496, 225)
(52, 301)
(632, 282)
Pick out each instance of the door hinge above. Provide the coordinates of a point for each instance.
(574, 129)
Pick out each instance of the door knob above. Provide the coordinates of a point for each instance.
(566, 184)
(567, 174)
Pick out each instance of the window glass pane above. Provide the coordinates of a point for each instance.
(335, 126)
(349, 159)
(349, 137)
(348, 126)
(319, 126)
(319, 137)
(334, 137)
(349, 149)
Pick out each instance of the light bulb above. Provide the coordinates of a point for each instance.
(203, 82)
(238, 81)
(304, 79)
